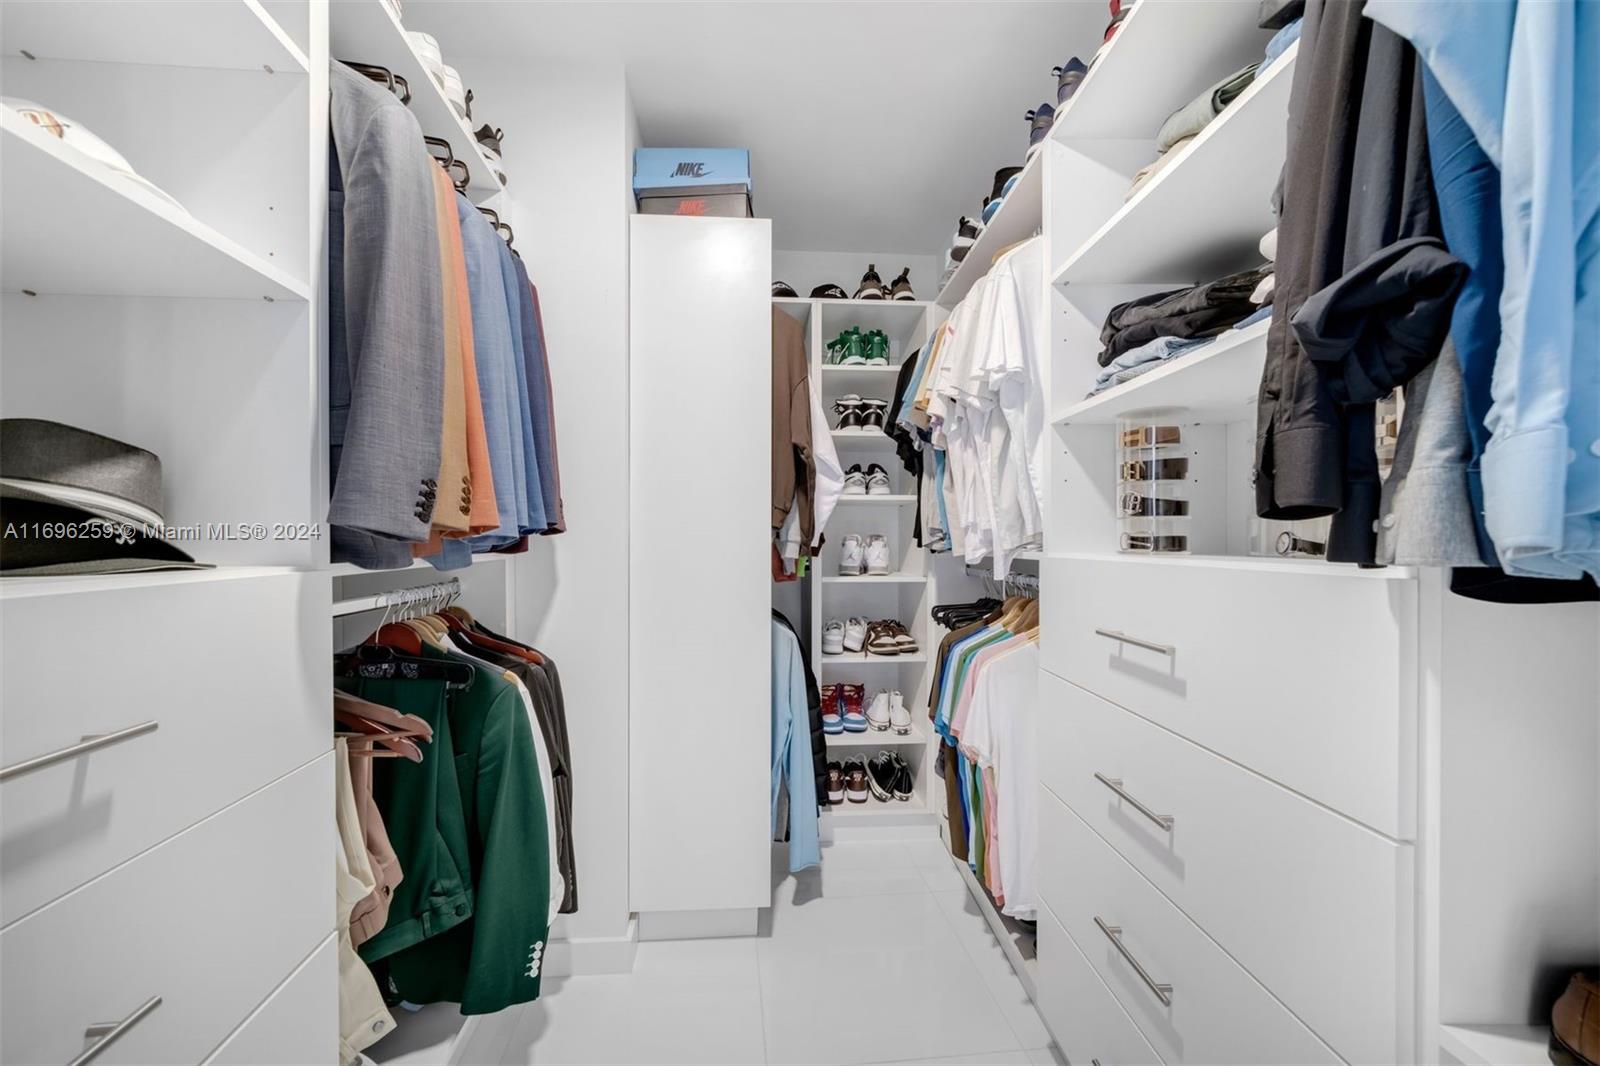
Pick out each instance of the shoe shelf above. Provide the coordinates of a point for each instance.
(900, 319)
(1136, 83)
(219, 34)
(877, 738)
(875, 438)
(1205, 213)
(1496, 1045)
(875, 381)
(877, 579)
(876, 808)
(1019, 217)
(1217, 383)
(366, 31)
(861, 658)
(74, 227)
(894, 499)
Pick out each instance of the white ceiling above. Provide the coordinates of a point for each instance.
(871, 125)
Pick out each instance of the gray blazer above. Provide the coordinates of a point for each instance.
(386, 325)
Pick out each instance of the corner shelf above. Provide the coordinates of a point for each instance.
(1019, 217)
(1206, 211)
(1216, 383)
(365, 31)
(861, 658)
(897, 499)
(1136, 84)
(220, 34)
(75, 227)
(877, 579)
(875, 438)
(1497, 1045)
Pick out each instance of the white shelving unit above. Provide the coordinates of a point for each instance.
(902, 594)
(1218, 382)
(226, 34)
(1020, 215)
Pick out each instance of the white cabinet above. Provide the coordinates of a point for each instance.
(209, 921)
(1088, 1023)
(699, 565)
(298, 1023)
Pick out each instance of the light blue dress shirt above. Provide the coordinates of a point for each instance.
(532, 516)
(1525, 75)
(791, 751)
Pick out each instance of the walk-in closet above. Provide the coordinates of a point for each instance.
(793, 531)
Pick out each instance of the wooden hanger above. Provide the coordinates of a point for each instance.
(402, 724)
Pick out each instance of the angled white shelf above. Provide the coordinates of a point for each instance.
(876, 438)
(1497, 1045)
(1216, 383)
(221, 34)
(1262, 563)
(1205, 213)
(75, 227)
(1019, 217)
(877, 738)
(898, 499)
(365, 31)
(22, 588)
(861, 658)
(876, 808)
(1165, 54)
(877, 579)
(352, 570)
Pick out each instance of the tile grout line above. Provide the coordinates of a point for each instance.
(1001, 1007)
(761, 988)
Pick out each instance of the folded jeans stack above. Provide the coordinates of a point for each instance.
(1197, 114)
(1199, 311)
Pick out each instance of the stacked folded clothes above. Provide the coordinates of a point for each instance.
(1146, 357)
(1197, 312)
(1198, 113)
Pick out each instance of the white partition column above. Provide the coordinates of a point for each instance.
(699, 572)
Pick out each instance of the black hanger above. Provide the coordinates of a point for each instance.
(379, 662)
(508, 233)
(462, 182)
(395, 83)
(444, 145)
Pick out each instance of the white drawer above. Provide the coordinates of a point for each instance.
(1088, 1023)
(299, 1022)
(1307, 677)
(1218, 1012)
(1274, 878)
(239, 711)
(210, 921)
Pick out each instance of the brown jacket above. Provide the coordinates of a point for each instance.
(794, 472)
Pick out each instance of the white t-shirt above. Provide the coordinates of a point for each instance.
(999, 732)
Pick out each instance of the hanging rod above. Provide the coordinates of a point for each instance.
(1021, 583)
(437, 590)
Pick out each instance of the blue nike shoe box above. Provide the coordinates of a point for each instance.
(703, 175)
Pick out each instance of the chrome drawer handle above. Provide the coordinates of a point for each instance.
(94, 743)
(105, 1034)
(1124, 638)
(1115, 785)
(1114, 934)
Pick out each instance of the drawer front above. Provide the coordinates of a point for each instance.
(1088, 1023)
(299, 1022)
(1306, 678)
(1275, 879)
(239, 712)
(1218, 1012)
(210, 921)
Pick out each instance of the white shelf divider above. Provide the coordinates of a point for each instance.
(366, 31)
(898, 499)
(877, 738)
(856, 580)
(1216, 383)
(859, 658)
(1497, 1045)
(1019, 217)
(1206, 211)
(76, 227)
(220, 34)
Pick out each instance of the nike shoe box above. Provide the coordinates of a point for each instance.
(713, 182)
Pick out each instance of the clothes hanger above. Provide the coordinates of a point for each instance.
(400, 723)
(395, 83)
(394, 745)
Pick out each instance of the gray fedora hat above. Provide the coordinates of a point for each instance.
(76, 502)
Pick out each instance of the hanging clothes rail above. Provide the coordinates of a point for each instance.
(442, 591)
(1019, 584)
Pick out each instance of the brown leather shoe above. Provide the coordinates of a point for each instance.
(1575, 1024)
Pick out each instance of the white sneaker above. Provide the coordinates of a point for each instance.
(833, 637)
(852, 555)
(877, 555)
(899, 717)
(855, 634)
(855, 482)
(878, 711)
(878, 481)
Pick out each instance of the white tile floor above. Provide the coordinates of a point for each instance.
(880, 958)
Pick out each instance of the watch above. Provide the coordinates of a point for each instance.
(1289, 544)
(1151, 542)
(1149, 436)
(1155, 469)
(1138, 505)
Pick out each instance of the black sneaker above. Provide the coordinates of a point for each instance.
(783, 288)
(871, 287)
(904, 783)
(966, 236)
(855, 781)
(1003, 175)
(900, 288)
(829, 292)
(882, 773)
